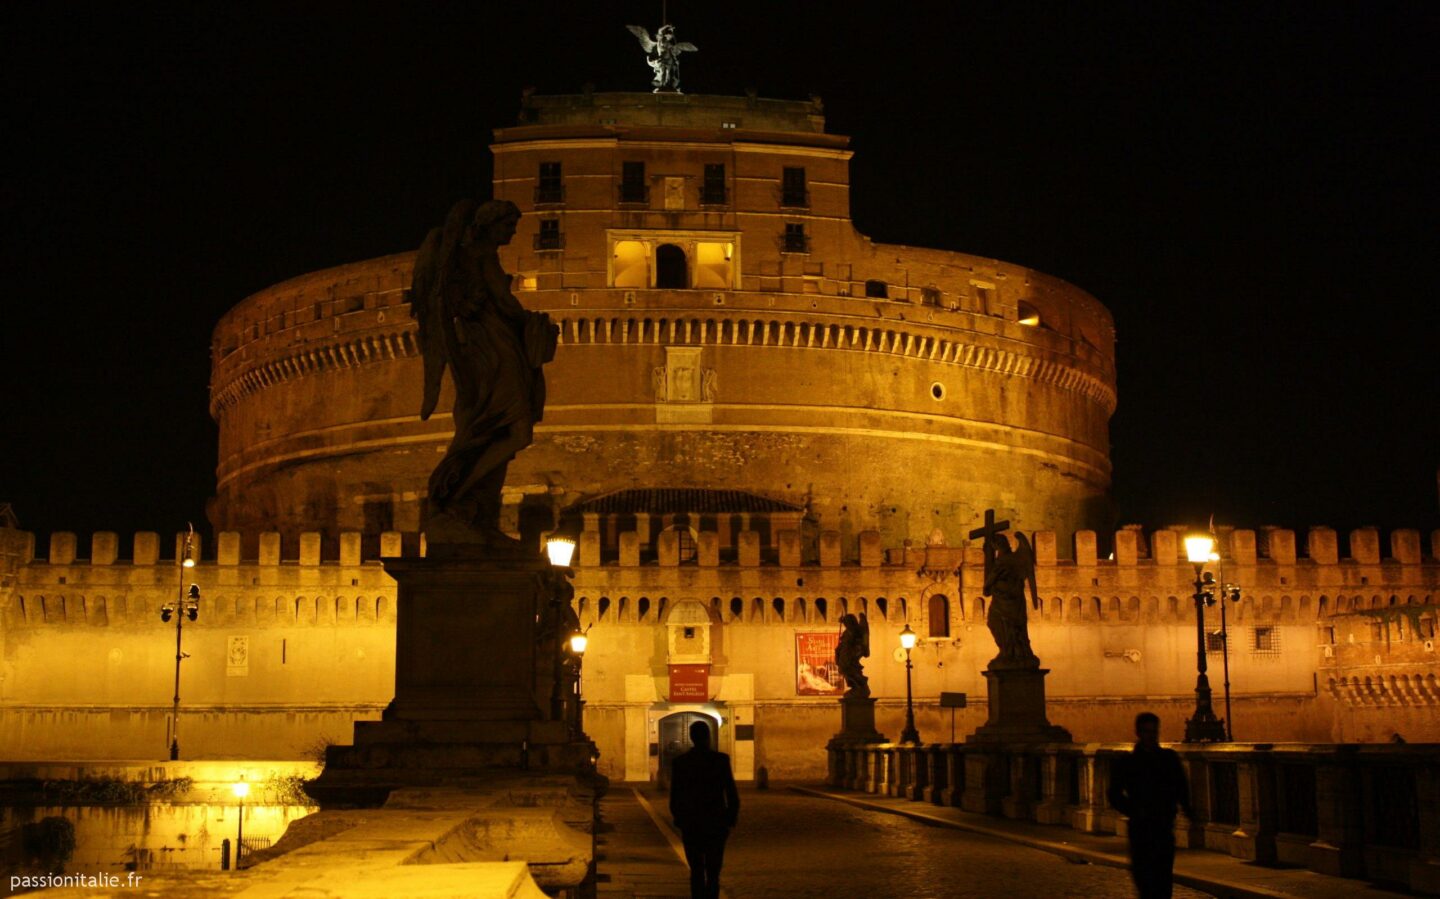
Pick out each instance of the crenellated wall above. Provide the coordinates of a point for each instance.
(295, 640)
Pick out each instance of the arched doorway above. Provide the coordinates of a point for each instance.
(671, 268)
(675, 739)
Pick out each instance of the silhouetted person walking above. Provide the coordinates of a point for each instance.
(704, 805)
(1146, 785)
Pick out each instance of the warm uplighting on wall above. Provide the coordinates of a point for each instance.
(1029, 315)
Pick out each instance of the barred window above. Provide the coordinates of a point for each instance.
(1265, 640)
(1214, 642)
(686, 547)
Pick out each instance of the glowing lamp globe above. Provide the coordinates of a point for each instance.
(907, 638)
(560, 550)
(1198, 548)
(240, 789)
(578, 643)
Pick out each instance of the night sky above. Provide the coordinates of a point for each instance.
(1249, 187)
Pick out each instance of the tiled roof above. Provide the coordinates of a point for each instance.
(668, 501)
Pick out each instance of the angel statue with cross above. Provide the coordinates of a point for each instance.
(1007, 572)
(664, 55)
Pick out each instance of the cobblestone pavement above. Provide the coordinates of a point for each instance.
(794, 846)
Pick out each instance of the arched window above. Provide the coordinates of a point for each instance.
(939, 615)
(671, 268)
(877, 290)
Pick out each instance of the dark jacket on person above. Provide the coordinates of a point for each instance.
(1147, 784)
(702, 791)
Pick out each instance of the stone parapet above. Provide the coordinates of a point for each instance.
(1363, 812)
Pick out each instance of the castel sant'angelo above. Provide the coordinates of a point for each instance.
(758, 420)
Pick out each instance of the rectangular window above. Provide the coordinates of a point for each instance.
(1427, 627)
(1214, 642)
(712, 189)
(550, 187)
(1265, 640)
(549, 237)
(1377, 631)
(792, 187)
(796, 240)
(1327, 634)
(877, 290)
(633, 188)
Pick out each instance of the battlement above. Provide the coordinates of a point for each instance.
(772, 540)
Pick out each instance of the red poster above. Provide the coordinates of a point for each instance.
(689, 683)
(816, 673)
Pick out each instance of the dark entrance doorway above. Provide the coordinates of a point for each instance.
(675, 739)
(671, 269)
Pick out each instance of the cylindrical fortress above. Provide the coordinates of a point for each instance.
(723, 326)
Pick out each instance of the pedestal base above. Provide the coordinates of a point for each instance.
(1017, 709)
(465, 708)
(857, 721)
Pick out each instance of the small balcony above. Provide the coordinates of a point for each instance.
(549, 194)
(634, 193)
(795, 198)
(713, 195)
(794, 243)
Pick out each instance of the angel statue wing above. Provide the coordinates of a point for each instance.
(864, 636)
(1025, 558)
(685, 47)
(643, 36)
(427, 309)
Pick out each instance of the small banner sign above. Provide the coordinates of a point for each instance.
(816, 673)
(689, 683)
(953, 700)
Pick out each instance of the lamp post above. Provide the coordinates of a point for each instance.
(579, 642)
(186, 605)
(560, 550)
(1229, 592)
(909, 734)
(241, 789)
(1203, 726)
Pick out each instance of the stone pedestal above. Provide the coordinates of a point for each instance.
(466, 707)
(857, 721)
(857, 728)
(1017, 709)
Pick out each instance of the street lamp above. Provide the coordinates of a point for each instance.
(579, 642)
(564, 629)
(560, 550)
(241, 789)
(186, 605)
(909, 734)
(1229, 592)
(1203, 726)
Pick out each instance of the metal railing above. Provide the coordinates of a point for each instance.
(631, 192)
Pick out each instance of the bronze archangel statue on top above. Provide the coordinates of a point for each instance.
(469, 321)
(664, 55)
